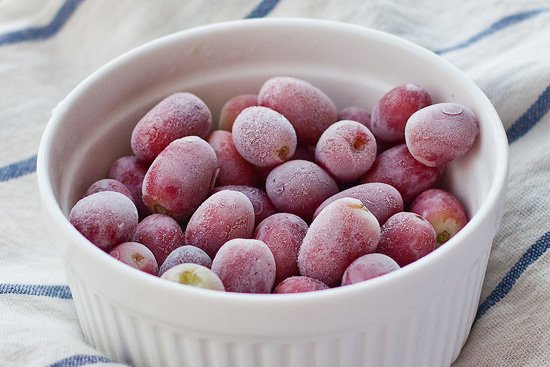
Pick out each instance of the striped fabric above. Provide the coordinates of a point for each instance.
(47, 47)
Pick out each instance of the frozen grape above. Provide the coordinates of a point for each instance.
(180, 178)
(300, 284)
(381, 199)
(391, 112)
(263, 136)
(109, 184)
(307, 108)
(439, 133)
(245, 266)
(105, 218)
(406, 237)
(233, 107)
(283, 233)
(299, 187)
(183, 255)
(222, 217)
(346, 150)
(397, 167)
(367, 267)
(355, 113)
(234, 169)
(176, 116)
(443, 210)
(263, 207)
(342, 232)
(137, 256)
(131, 171)
(160, 233)
(194, 275)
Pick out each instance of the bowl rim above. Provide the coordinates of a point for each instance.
(52, 208)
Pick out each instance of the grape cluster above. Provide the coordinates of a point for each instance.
(290, 195)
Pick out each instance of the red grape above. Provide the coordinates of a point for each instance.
(367, 267)
(263, 136)
(397, 167)
(307, 108)
(346, 150)
(245, 266)
(160, 233)
(105, 218)
(389, 115)
(299, 187)
(233, 107)
(381, 199)
(300, 284)
(234, 169)
(263, 207)
(406, 237)
(443, 210)
(283, 233)
(180, 178)
(137, 256)
(222, 217)
(341, 233)
(176, 116)
(439, 133)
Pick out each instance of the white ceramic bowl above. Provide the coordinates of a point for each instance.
(418, 316)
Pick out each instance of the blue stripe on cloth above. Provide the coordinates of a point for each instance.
(533, 253)
(262, 9)
(44, 32)
(530, 118)
(18, 169)
(495, 27)
(54, 291)
(80, 360)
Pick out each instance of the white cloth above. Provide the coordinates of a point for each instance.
(47, 47)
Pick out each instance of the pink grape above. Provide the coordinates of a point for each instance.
(355, 113)
(367, 267)
(231, 109)
(105, 218)
(185, 254)
(443, 210)
(131, 171)
(342, 232)
(180, 178)
(176, 116)
(283, 233)
(406, 237)
(109, 184)
(234, 169)
(222, 217)
(346, 149)
(137, 256)
(439, 133)
(397, 167)
(300, 284)
(390, 114)
(263, 136)
(299, 187)
(263, 207)
(245, 266)
(194, 275)
(381, 199)
(307, 108)
(160, 233)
